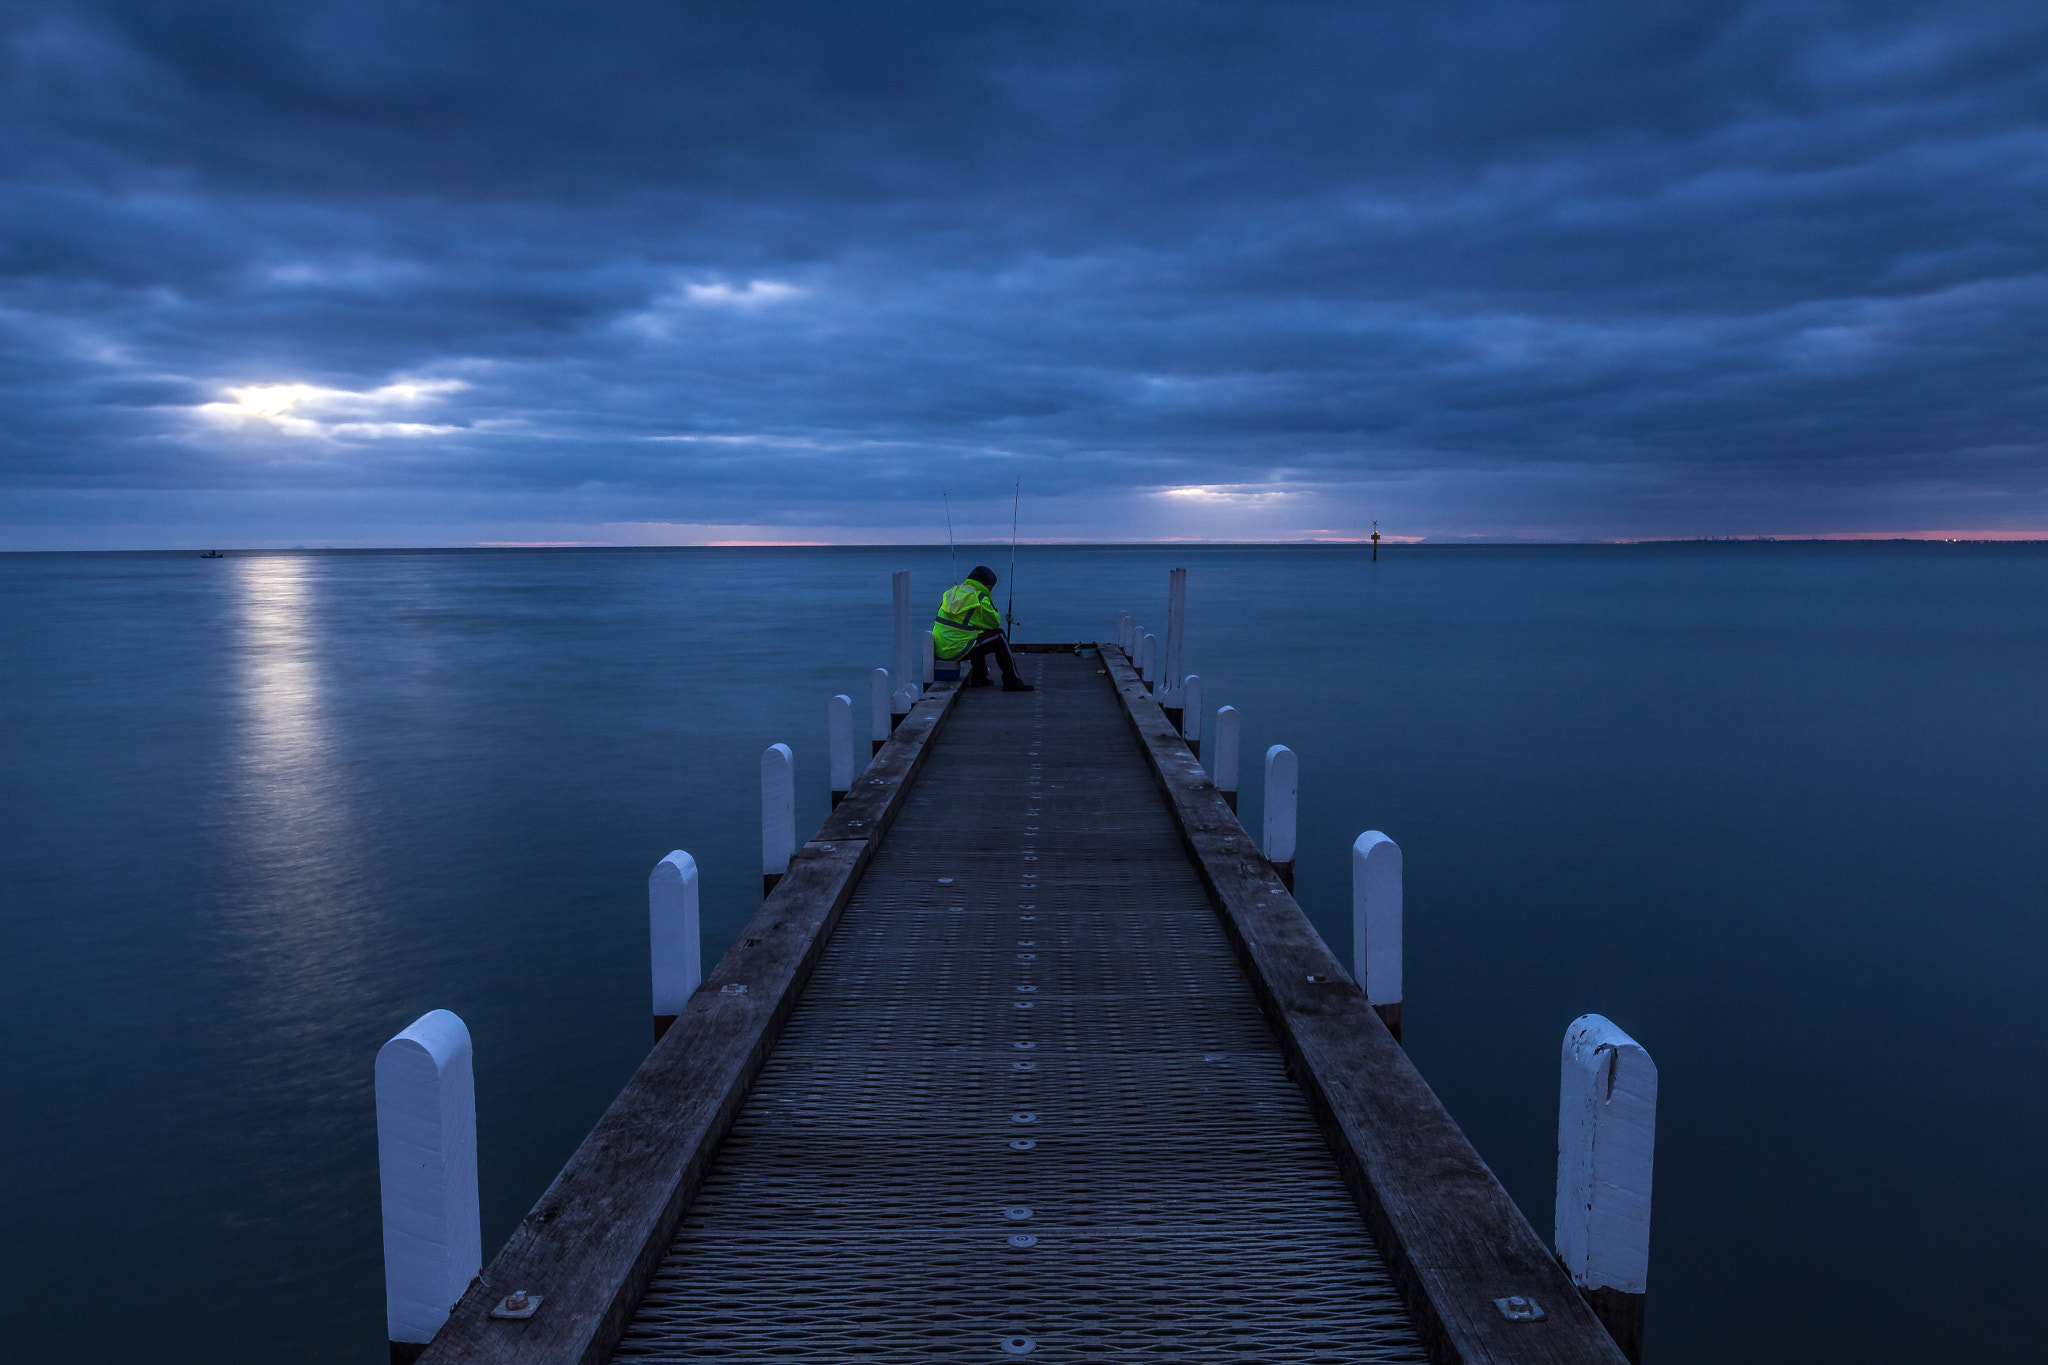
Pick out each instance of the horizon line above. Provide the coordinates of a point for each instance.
(1973, 537)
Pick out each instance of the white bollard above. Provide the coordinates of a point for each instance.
(778, 814)
(1606, 1138)
(1191, 713)
(1123, 631)
(878, 704)
(931, 659)
(1283, 784)
(839, 745)
(1229, 729)
(426, 1177)
(1376, 924)
(674, 936)
(906, 643)
(1169, 663)
(1148, 658)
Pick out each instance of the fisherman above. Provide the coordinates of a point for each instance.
(970, 627)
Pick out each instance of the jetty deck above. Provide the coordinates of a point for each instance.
(1027, 1028)
(1030, 1053)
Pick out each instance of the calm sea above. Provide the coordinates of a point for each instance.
(1775, 809)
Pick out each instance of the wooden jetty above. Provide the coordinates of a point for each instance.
(1029, 1052)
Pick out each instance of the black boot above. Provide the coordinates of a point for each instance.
(1016, 684)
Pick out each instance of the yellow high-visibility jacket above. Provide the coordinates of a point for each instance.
(964, 613)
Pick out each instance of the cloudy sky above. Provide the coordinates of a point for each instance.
(447, 273)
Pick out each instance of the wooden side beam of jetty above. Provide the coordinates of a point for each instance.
(1478, 1284)
(1455, 1240)
(590, 1245)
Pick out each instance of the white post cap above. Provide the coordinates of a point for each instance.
(778, 809)
(839, 740)
(1376, 916)
(1229, 732)
(426, 1173)
(1168, 667)
(674, 935)
(878, 704)
(1283, 785)
(1606, 1142)
(906, 670)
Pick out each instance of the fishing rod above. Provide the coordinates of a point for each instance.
(1010, 612)
(951, 554)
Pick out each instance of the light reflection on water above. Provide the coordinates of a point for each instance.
(300, 919)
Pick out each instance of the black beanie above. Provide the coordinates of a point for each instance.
(983, 575)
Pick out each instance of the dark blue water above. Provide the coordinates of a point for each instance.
(1777, 810)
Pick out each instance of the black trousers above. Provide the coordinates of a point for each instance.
(987, 643)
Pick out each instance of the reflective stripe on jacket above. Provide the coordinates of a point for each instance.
(964, 613)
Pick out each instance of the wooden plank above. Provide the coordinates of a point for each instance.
(592, 1242)
(878, 792)
(1447, 1229)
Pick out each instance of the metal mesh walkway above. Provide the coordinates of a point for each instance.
(1027, 1105)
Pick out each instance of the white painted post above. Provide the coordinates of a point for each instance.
(1229, 730)
(1376, 924)
(1123, 631)
(778, 814)
(1148, 658)
(1191, 713)
(426, 1177)
(1606, 1138)
(674, 937)
(878, 709)
(906, 644)
(931, 659)
(1176, 614)
(1283, 785)
(839, 745)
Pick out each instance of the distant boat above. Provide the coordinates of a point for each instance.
(213, 554)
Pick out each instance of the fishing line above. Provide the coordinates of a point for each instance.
(1011, 611)
(951, 554)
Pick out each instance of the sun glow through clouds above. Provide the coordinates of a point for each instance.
(1233, 494)
(722, 295)
(313, 410)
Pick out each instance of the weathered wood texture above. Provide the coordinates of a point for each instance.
(1623, 1313)
(1453, 1238)
(1184, 1204)
(590, 1245)
(878, 792)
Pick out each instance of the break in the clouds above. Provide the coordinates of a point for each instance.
(404, 273)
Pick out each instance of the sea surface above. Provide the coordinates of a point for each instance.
(1777, 810)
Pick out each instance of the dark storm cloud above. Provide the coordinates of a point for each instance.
(1609, 269)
